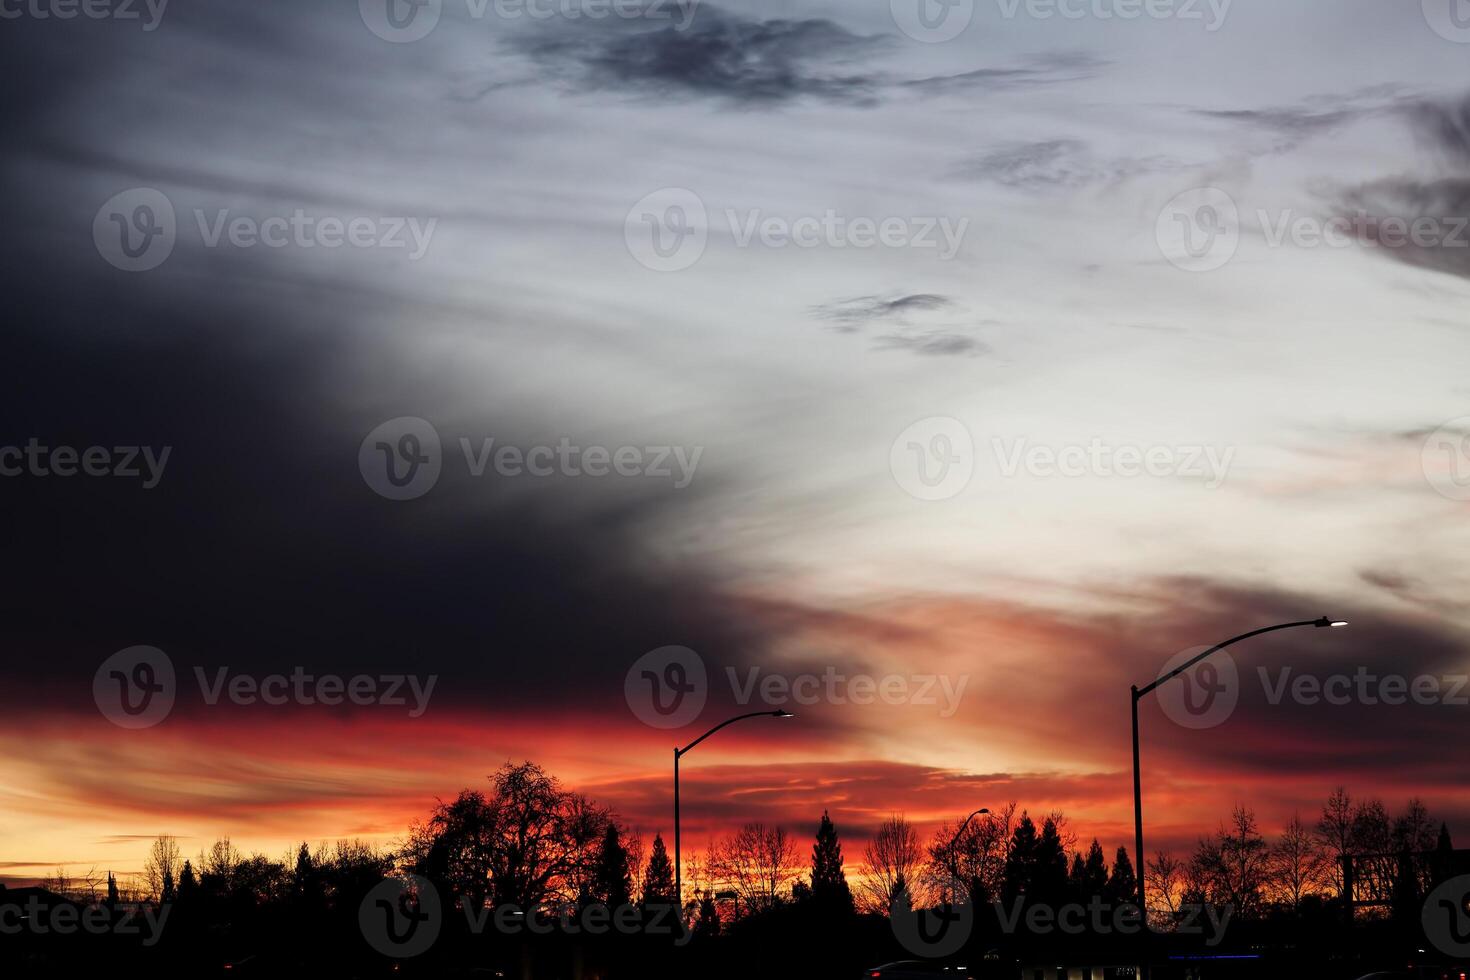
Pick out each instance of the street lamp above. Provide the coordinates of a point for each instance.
(1139, 692)
(954, 842)
(678, 753)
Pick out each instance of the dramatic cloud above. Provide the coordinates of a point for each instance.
(719, 54)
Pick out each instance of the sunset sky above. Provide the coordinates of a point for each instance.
(1325, 380)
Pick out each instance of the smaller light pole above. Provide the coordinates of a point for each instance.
(954, 841)
(679, 753)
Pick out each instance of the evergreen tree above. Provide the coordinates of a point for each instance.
(188, 884)
(111, 891)
(829, 887)
(1020, 868)
(1443, 862)
(1049, 881)
(1094, 872)
(658, 879)
(708, 923)
(1122, 885)
(611, 882)
(167, 893)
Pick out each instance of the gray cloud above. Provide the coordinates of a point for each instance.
(932, 343)
(760, 62)
(1316, 114)
(1052, 164)
(1047, 69)
(896, 313)
(719, 54)
(1442, 198)
(863, 309)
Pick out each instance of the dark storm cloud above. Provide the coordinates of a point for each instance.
(719, 54)
(262, 547)
(1414, 590)
(1438, 201)
(1447, 126)
(762, 62)
(1364, 740)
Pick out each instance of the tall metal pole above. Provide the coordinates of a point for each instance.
(678, 851)
(1138, 838)
(1137, 806)
(1137, 787)
(678, 854)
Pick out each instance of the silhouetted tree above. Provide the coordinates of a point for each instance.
(1090, 876)
(1232, 865)
(1334, 836)
(1049, 879)
(1122, 886)
(1020, 867)
(610, 882)
(658, 879)
(161, 868)
(708, 923)
(1295, 864)
(757, 862)
(892, 862)
(829, 888)
(188, 884)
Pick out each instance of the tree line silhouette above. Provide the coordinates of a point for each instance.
(753, 900)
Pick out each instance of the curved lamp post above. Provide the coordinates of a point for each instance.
(678, 753)
(1139, 692)
(954, 840)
